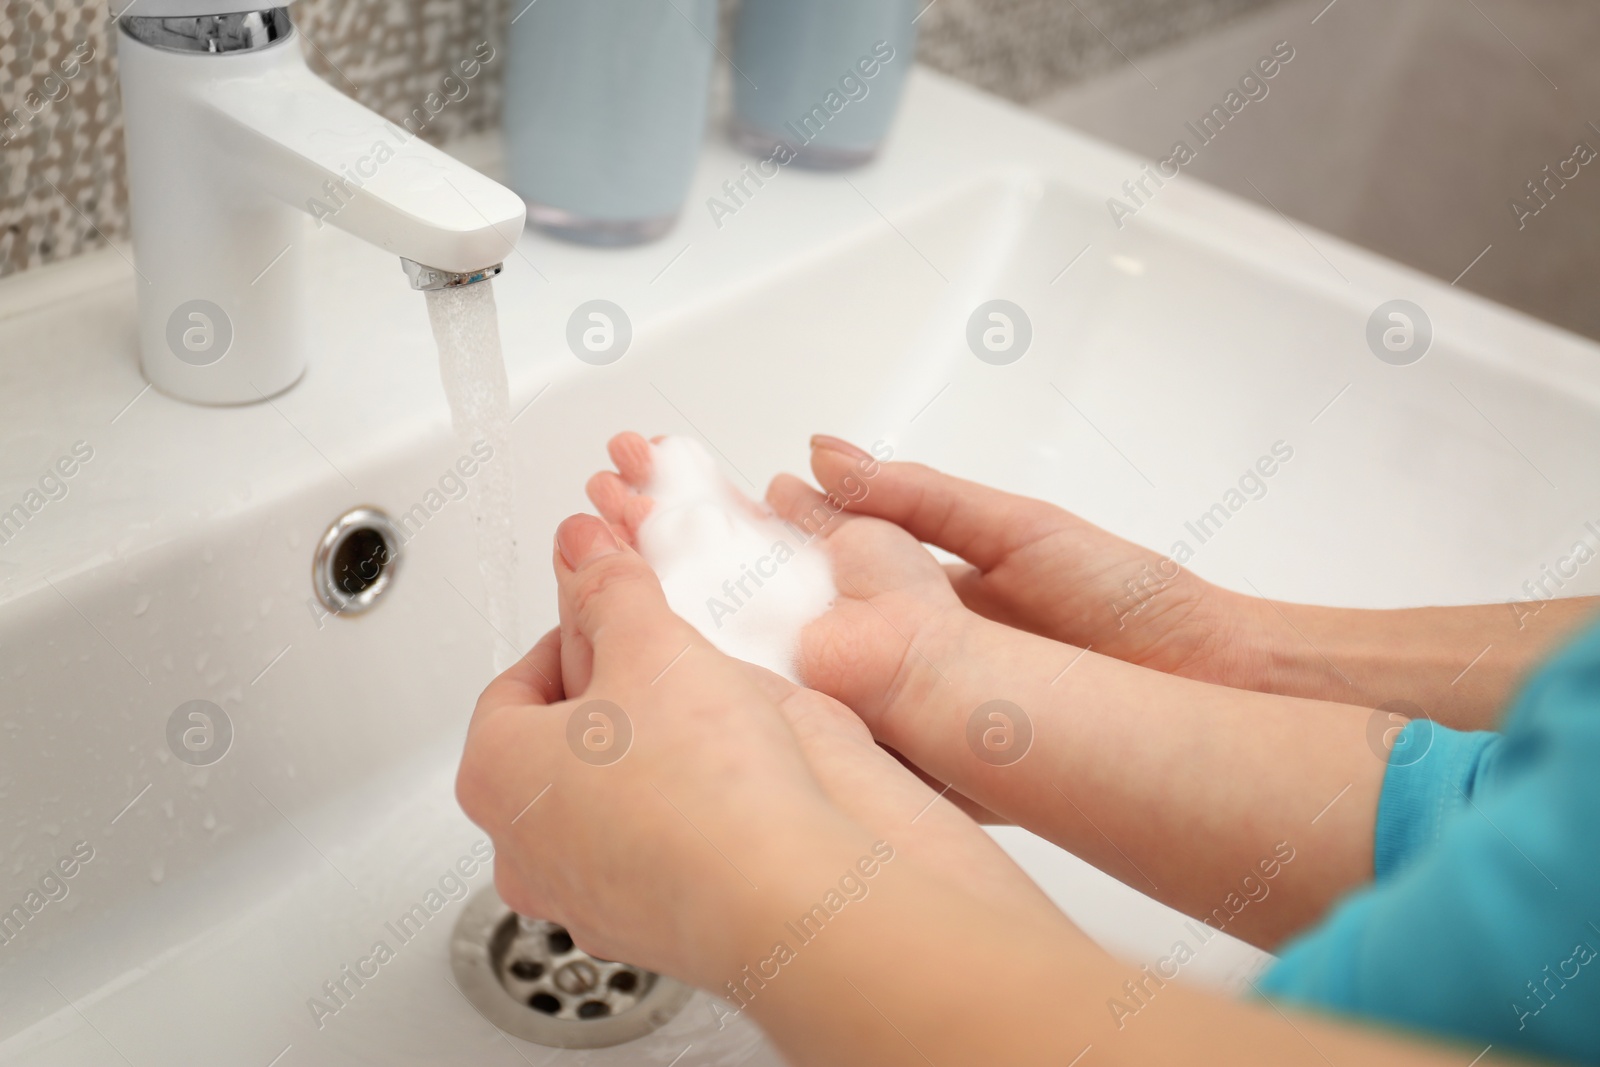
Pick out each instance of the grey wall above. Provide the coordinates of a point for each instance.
(1026, 49)
(1407, 128)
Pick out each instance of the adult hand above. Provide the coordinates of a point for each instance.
(1037, 567)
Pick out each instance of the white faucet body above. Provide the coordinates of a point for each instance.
(234, 161)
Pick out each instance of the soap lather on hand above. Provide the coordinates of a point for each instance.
(748, 581)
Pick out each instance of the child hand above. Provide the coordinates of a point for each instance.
(891, 593)
(626, 758)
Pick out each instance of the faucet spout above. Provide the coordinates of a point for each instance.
(296, 137)
(427, 279)
(238, 154)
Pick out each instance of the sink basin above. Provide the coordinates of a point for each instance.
(173, 564)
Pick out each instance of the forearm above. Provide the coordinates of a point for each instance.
(1458, 665)
(917, 972)
(1252, 811)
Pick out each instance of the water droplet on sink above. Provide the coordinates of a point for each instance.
(209, 822)
(141, 605)
(158, 871)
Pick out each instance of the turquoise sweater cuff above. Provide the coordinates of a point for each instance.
(1433, 770)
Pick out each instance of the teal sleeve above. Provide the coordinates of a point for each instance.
(1432, 772)
(1484, 923)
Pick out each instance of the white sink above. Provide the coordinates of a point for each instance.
(1164, 362)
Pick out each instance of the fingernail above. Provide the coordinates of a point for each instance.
(833, 444)
(583, 539)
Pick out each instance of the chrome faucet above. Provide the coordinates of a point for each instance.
(236, 152)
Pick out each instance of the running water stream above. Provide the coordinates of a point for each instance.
(474, 375)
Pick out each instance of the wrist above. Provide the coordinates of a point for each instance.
(1247, 649)
(1291, 650)
(955, 663)
(928, 674)
(931, 641)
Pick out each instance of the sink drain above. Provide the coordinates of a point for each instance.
(530, 980)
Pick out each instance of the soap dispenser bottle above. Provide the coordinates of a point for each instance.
(605, 113)
(818, 82)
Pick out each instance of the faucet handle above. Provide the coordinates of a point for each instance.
(180, 9)
(208, 34)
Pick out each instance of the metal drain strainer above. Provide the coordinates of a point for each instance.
(530, 980)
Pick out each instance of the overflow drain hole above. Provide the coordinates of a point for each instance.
(355, 561)
(530, 979)
(360, 560)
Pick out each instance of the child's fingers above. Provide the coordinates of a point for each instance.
(611, 497)
(634, 511)
(631, 453)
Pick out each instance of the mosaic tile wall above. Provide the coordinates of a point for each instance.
(61, 160)
(60, 136)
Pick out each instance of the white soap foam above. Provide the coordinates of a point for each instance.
(744, 578)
